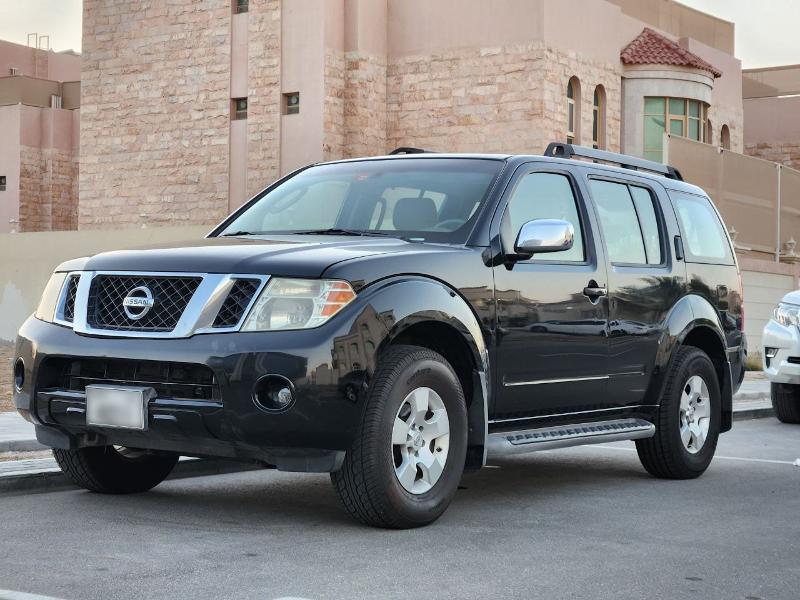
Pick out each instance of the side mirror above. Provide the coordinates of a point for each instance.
(544, 235)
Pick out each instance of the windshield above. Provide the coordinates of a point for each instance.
(432, 199)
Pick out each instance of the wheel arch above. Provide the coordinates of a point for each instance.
(694, 322)
(425, 312)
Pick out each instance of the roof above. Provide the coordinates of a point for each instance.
(652, 48)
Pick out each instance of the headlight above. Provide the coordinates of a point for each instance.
(46, 310)
(298, 304)
(787, 314)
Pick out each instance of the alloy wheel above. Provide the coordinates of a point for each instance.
(420, 440)
(695, 414)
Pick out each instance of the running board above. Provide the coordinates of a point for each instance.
(547, 438)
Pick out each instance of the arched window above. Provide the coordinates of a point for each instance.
(573, 111)
(725, 137)
(599, 118)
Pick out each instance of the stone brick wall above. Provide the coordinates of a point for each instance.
(264, 93)
(155, 111)
(732, 117)
(48, 199)
(333, 110)
(6, 375)
(560, 67)
(505, 99)
(365, 105)
(786, 153)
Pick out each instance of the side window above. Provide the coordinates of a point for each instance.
(703, 236)
(628, 219)
(546, 196)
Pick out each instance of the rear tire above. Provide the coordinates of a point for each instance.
(689, 412)
(786, 402)
(106, 470)
(406, 462)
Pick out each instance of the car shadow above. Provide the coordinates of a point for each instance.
(270, 499)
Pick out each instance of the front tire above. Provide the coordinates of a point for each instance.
(405, 465)
(108, 470)
(786, 402)
(688, 419)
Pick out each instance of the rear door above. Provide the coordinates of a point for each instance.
(551, 353)
(644, 280)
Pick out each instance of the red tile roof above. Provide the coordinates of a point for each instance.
(651, 48)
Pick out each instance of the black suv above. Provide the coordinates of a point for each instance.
(395, 321)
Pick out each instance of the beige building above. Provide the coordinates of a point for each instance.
(39, 100)
(772, 114)
(188, 108)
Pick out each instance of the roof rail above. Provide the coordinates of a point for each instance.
(409, 150)
(559, 150)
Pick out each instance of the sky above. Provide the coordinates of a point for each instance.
(766, 30)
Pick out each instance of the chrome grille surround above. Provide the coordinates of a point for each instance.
(107, 292)
(196, 317)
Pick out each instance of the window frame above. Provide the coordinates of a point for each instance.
(570, 112)
(590, 252)
(660, 221)
(684, 119)
(599, 118)
(688, 255)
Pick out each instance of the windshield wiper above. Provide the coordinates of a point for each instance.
(238, 233)
(339, 231)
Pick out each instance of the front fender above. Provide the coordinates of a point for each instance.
(407, 301)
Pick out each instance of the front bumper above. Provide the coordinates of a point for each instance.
(783, 344)
(312, 434)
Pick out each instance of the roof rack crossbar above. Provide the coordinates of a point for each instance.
(410, 150)
(560, 150)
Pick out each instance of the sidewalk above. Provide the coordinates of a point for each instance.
(752, 400)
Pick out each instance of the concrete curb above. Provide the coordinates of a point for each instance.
(21, 446)
(758, 412)
(50, 478)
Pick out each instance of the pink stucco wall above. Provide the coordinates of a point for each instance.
(56, 66)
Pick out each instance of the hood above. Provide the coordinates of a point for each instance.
(792, 298)
(298, 256)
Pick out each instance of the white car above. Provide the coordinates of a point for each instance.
(781, 355)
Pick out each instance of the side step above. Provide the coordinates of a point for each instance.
(562, 436)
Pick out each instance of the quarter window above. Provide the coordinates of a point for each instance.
(629, 223)
(546, 196)
(703, 236)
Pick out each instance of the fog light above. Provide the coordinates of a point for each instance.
(273, 393)
(19, 374)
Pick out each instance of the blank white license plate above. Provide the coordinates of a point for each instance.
(117, 406)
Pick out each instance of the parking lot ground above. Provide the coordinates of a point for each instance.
(579, 523)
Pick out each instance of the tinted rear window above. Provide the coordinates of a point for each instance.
(704, 238)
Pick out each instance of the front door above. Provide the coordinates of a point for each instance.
(552, 346)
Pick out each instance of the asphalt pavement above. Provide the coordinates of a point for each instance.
(578, 523)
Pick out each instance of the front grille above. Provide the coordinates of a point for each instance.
(170, 296)
(170, 379)
(236, 303)
(69, 297)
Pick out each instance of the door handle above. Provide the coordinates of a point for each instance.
(593, 291)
